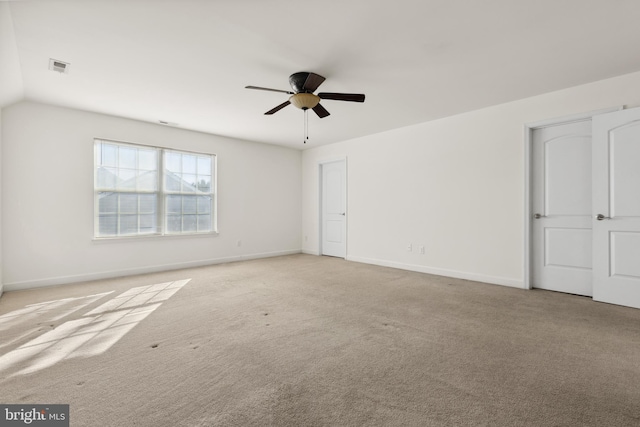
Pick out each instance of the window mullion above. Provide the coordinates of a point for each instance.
(118, 216)
(161, 202)
(137, 178)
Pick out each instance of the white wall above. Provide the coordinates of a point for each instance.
(1, 280)
(11, 88)
(47, 192)
(456, 186)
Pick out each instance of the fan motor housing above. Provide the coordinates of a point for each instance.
(297, 80)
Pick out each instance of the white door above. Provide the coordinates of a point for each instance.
(561, 227)
(616, 207)
(334, 208)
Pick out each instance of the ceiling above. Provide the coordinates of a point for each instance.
(187, 62)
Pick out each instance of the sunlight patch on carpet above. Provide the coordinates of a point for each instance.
(92, 334)
(42, 310)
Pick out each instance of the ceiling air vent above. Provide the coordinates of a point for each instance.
(59, 66)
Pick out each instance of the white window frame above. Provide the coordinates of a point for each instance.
(161, 193)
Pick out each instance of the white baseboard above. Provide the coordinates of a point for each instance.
(494, 280)
(53, 281)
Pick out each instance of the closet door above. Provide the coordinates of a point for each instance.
(333, 208)
(616, 207)
(561, 227)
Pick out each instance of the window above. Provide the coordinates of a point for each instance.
(141, 190)
(187, 185)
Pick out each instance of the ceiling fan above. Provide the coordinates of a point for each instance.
(304, 84)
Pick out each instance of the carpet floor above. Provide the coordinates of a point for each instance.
(317, 341)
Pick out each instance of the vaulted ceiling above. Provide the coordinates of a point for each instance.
(187, 62)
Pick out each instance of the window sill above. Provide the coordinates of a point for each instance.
(152, 237)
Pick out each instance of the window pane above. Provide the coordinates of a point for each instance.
(188, 183)
(148, 181)
(128, 203)
(172, 182)
(147, 224)
(148, 203)
(127, 157)
(204, 183)
(107, 225)
(189, 164)
(172, 161)
(174, 224)
(204, 204)
(174, 204)
(107, 203)
(204, 165)
(108, 155)
(126, 179)
(106, 178)
(128, 224)
(189, 204)
(147, 159)
(204, 222)
(189, 223)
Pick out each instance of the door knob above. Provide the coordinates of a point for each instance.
(538, 216)
(600, 217)
(343, 214)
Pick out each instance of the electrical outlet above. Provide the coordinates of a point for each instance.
(239, 243)
(422, 249)
(306, 238)
(409, 247)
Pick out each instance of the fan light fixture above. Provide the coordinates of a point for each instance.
(304, 101)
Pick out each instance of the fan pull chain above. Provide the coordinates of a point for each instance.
(306, 126)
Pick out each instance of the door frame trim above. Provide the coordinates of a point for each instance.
(528, 178)
(321, 164)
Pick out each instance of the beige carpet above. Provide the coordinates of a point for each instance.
(316, 341)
